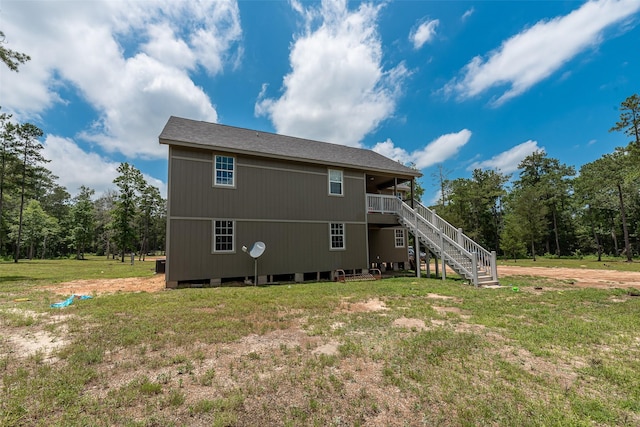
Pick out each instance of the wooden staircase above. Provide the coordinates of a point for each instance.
(450, 244)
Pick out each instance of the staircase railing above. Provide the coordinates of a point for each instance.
(464, 255)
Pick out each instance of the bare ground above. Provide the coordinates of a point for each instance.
(585, 278)
(263, 356)
(572, 276)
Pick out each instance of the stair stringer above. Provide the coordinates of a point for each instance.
(438, 241)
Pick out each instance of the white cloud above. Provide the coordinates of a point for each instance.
(75, 167)
(337, 89)
(437, 151)
(388, 149)
(128, 60)
(425, 32)
(508, 161)
(537, 52)
(88, 169)
(466, 15)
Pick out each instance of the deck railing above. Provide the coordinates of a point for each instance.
(459, 251)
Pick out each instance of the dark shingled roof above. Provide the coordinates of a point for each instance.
(198, 134)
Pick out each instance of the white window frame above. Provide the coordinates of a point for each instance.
(215, 236)
(215, 171)
(341, 182)
(340, 232)
(398, 234)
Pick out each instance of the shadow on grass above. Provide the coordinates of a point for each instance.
(16, 278)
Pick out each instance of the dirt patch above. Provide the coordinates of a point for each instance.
(28, 341)
(154, 283)
(363, 307)
(573, 277)
(581, 278)
(404, 322)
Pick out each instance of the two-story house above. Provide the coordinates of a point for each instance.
(318, 207)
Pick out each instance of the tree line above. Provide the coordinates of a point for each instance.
(549, 207)
(40, 219)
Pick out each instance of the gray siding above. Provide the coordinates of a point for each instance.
(382, 246)
(291, 248)
(284, 204)
(265, 189)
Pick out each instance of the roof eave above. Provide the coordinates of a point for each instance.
(411, 173)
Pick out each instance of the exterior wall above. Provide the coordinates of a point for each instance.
(286, 205)
(382, 246)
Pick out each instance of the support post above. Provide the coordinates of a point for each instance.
(474, 263)
(443, 255)
(427, 262)
(459, 237)
(494, 266)
(416, 248)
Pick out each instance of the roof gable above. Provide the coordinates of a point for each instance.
(193, 133)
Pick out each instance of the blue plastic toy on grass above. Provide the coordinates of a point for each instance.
(69, 301)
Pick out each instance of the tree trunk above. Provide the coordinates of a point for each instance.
(24, 176)
(555, 231)
(614, 237)
(625, 231)
(598, 244)
(533, 249)
(1, 203)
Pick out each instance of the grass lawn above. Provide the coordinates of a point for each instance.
(399, 351)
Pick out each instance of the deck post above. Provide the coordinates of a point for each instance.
(416, 249)
(474, 263)
(442, 255)
(494, 266)
(427, 262)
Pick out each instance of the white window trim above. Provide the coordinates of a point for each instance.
(215, 172)
(344, 237)
(341, 182)
(396, 237)
(213, 237)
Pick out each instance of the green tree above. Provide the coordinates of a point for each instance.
(28, 148)
(629, 122)
(8, 160)
(11, 58)
(38, 229)
(552, 180)
(104, 207)
(150, 205)
(475, 206)
(83, 221)
(528, 206)
(511, 236)
(128, 182)
(609, 180)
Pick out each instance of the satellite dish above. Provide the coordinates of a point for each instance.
(257, 249)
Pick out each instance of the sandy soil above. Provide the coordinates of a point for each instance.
(579, 277)
(109, 286)
(587, 278)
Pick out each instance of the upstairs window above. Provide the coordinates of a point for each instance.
(335, 182)
(223, 236)
(399, 234)
(336, 236)
(224, 171)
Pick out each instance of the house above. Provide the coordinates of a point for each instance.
(318, 207)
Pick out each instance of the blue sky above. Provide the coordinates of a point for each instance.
(462, 84)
